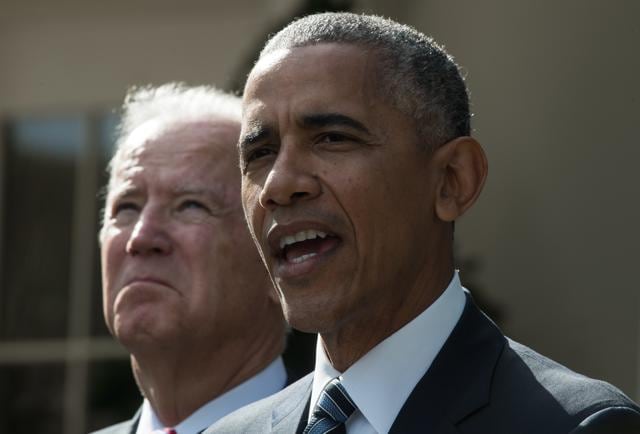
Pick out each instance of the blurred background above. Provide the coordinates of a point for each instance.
(550, 249)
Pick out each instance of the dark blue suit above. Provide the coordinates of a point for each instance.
(480, 383)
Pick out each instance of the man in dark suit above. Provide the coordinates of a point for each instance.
(356, 160)
(184, 289)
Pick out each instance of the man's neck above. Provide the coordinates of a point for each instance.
(177, 385)
(348, 343)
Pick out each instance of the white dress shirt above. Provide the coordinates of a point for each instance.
(380, 382)
(267, 382)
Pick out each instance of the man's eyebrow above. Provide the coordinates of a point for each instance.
(221, 196)
(125, 192)
(214, 192)
(182, 191)
(255, 133)
(319, 120)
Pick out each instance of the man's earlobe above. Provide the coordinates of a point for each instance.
(464, 168)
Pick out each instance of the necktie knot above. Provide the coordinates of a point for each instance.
(332, 410)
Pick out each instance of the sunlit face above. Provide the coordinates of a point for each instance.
(337, 193)
(178, 264)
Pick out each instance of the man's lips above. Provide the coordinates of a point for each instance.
(141, 289)
(145, 280)
(299, 247)
(304, 236)
(303, 250)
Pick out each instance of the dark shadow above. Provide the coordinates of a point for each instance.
(299, 355)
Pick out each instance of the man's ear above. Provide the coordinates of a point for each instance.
(463, 168)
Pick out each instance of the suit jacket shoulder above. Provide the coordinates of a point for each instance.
(483, 382)
(279, 413)
(611, 420)
(530, 390)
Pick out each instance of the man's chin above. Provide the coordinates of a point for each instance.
(144, 336)
(302, 316)
(313, 307)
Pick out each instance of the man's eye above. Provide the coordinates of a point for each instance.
(258, 153)
(124, 213)
(337, 142)
(125, 207)
(333, 137)
(193, 205)
(256, 157)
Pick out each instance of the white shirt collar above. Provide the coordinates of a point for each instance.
(381, 381)
(267, 382)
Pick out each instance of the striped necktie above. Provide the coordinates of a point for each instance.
(332, 410)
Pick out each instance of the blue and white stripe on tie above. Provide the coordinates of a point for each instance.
(332, 410)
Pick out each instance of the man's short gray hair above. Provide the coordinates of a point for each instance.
(418, 76)
(175, 102)
(171, 103)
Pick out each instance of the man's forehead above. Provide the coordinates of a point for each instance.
(199, 175)
(157, 137)
(307, 81)
(185, 147)
(183, 186)
(311, 60)
(271, 60)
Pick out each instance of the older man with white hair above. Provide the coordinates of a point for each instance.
(184, 289)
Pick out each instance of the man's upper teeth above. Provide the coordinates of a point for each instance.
(301, 236)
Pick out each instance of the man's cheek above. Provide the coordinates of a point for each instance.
(253, 221)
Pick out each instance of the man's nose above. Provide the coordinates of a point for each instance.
(290, 180)
(149, 235)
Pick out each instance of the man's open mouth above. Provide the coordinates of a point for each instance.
(305, 244)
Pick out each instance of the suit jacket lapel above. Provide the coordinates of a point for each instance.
(290, 413)
(304, 417)
(459, 379)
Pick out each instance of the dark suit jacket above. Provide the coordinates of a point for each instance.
(480, 383)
